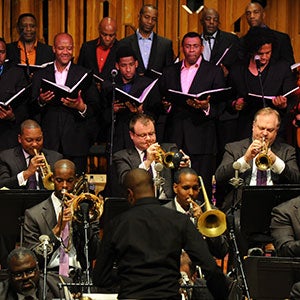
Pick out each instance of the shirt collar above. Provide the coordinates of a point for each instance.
(21, 44)
(65, 69)
(196, 65)
(179, 207)
(140, 37)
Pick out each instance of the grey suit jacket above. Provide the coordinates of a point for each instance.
(12, 162)
(285, 228)
(128, 159)
(161, 54)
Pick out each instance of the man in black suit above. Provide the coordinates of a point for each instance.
(69, 124)
(145, 243)
(24, 278)
(255, 15)
(216, 41)
(191, 122)
(99, 55)
(19, 164)
(28, 50)
(153, 52)
(144, 154)
(133, 84)
(12, 80)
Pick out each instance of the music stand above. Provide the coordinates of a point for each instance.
(271, 277)
(256, 206)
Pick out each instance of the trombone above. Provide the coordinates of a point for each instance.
(212, 222)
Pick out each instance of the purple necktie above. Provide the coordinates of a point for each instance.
(63, 252)
(150, 168)
(31, 181)
(261, 177)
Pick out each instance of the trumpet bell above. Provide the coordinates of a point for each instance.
(263, 162)
(95, 207)
(48, 181)
(212, 223)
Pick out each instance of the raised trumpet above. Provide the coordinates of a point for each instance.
(168, 159)
(262, 160)
(46, 173)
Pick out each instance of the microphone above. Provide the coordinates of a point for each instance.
(85, 207)
(257, 62)
(236, 166)
(114, 73)
(44, 246)
(236, 181)
(158, 167)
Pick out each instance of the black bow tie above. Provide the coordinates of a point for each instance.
(208, 37)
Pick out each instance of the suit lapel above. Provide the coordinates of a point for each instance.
(153, 51)
(48, 214)
(20, 159)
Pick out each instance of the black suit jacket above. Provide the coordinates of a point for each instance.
(161, 54)
(12, 162)
(44, 53)
(88, 58)
(62, 126)
(224, 40)
(128, 159)
(12, 80)
(190, 128)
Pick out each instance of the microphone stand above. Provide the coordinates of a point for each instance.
(158, 181)
(261, 87)
(26, 62)
(45, 252)
(86, 253)
(113, 119)
(236, 182)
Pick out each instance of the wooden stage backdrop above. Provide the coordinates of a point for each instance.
(80, 18)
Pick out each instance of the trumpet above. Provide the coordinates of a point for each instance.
(46, 173)
(168, 159)
(212, 222)
(262, 160)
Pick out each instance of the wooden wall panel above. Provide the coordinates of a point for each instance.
(173, 20)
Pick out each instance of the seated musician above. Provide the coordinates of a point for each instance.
(20, 166)
(145, 152)
(53, 217)
(279, 163)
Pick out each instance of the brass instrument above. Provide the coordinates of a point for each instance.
(83, 196)
(168, 159)
(212, 222)
(263, 161)
(46, 173)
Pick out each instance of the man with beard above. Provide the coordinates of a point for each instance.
(24, 280)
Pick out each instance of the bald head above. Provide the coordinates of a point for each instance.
(64, 164)
(139, 184)
(107, 32)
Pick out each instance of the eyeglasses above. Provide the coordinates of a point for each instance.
(20, 275)
(144, 135)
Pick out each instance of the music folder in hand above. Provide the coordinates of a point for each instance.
(33, 68)
(125, 97)
(200, 96)
(63, 91)
(17, 97)
(271, 97)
